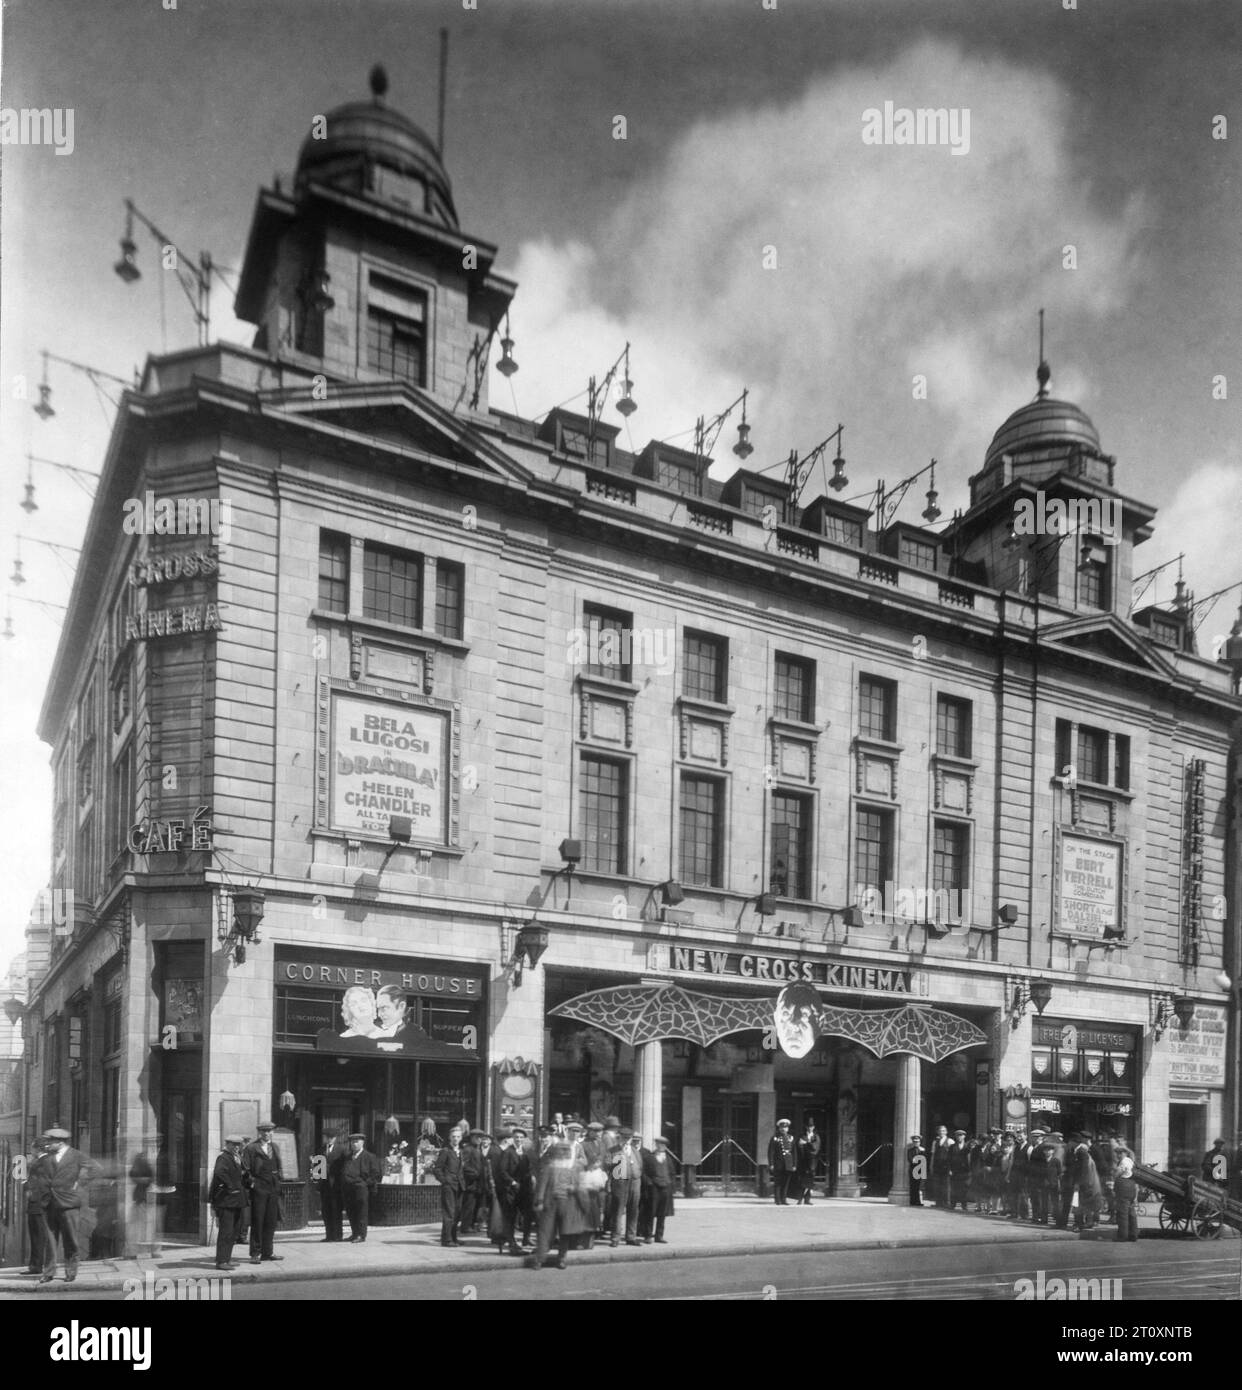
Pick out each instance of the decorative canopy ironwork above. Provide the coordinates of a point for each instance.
(655, 1013)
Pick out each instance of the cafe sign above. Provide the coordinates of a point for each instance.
(172, 836)
(744, 965)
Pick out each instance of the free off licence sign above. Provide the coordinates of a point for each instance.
(388, 759)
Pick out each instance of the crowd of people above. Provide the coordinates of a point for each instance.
(1041, 1176)
(569, 1185)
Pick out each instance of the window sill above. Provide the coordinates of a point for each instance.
(879, 745)
(692, 704)
(383, 629)
(607, 685)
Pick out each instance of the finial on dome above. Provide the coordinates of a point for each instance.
(1043, 372)
(379, 82)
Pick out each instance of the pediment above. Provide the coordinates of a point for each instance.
(396, 415)
(1106, 636)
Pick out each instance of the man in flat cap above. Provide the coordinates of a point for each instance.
(360, 1175)
(261, 1160)
(65, 1172)
(474, 1181)
(524, 1171)
(625, 1167)
(782, 1161)
(227, 1195)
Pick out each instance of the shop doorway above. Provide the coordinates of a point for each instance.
(729, 1159)
(875, 1140)
(178, 1158)
(797, 1110)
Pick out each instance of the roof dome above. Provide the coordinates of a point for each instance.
(1042, 423)
(368, 137)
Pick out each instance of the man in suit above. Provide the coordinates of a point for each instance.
(782, 1161)
(942, 1147)
(360, 1175)
(659, 1171)
(64, 1171)
(334, 1155)
(261, 1160)
(808, 1157)
(473, 1181)
(625, 1167)
(916, 1168)
(227, 1195)
(449, 1171)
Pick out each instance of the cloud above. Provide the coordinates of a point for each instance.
(890, 261)
(1210, 489)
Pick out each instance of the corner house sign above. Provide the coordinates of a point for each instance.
(740, 965)
(378, 1005)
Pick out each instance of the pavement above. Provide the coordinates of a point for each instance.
(701, 1228)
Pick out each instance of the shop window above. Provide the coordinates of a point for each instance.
(790, 850)
(705, 674)
(180, 966)
(604, 794)
(392, 590)
(333, 572)
(795, 689)
(702, 830)
(873, 848)
(953, 731)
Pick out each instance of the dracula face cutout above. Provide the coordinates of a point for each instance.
(797, 1014)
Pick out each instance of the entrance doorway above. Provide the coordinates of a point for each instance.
(728, 1141)
(875, 1139)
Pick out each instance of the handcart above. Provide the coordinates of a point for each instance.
(1189, 1205)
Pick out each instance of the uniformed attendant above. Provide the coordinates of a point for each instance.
(360, 1175)
(782, 1161)
(227, 1195)
(659, 1170)
(261, 1160)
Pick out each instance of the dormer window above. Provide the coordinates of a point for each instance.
(397, 330)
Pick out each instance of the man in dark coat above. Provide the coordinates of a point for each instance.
(334, 1155)
(659, 1171)
(525, 1172)
(503, 1183)
(808, 1158)
(916, 1168)
(1104, 1157)
(959, 1171)
(782, 1162)
(261, 1160)
(65, 1172)
(36, 1206)
(227, 1195)
(473, 1182)
(360, 1175)
(449, 1171)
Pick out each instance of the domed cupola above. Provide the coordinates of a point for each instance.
(366, 147)
(1043, 424)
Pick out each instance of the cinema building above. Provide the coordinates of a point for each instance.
(486, 768)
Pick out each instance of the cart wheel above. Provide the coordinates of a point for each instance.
(1206, 1221)
(1174, 1218)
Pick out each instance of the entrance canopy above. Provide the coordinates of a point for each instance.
(656, 1013)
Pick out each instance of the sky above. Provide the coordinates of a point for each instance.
(742, 235)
